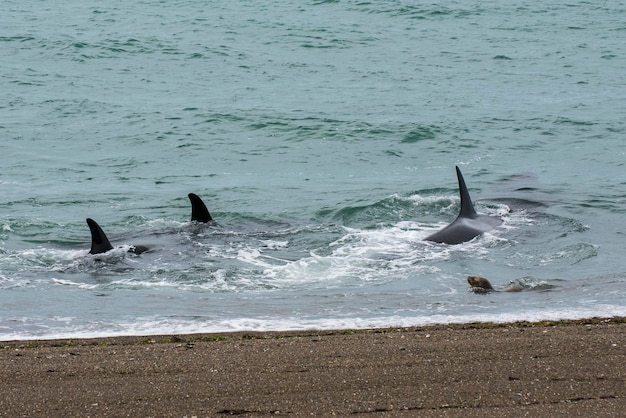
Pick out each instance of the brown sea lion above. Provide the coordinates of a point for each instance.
(479, 284)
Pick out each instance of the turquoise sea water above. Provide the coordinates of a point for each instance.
(323, 136)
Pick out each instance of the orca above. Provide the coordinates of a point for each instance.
(199, 212)
(100, 243)
(468, 224)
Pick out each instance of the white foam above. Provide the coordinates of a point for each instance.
(64, 282)
(167, 326)
(252, 256)
(429, 200)
(272, 244)
(366, 255)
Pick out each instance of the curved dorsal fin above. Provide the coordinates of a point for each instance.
(199, 212)
(99, 241)
(467, 208)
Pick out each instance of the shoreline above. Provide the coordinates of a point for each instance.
(248, 335)
(557, 368)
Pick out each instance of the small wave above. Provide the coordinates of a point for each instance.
(12, 282)
(145, 326)
(47, 257)
(64, 282)
(532, 283)
(575, 253)
(365, 256)
(271, 244)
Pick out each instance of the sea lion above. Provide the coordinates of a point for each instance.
(479, 284)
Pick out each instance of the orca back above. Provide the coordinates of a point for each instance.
(468, 224)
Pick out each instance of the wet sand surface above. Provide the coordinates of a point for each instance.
(568, 368)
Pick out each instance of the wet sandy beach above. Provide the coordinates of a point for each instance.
(568, 368)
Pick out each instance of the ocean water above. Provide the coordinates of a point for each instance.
(323, 137)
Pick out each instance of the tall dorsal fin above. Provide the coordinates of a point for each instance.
(199, 212)
(467, 208)
(99, 241)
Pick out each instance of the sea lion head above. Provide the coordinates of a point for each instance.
(479, 284)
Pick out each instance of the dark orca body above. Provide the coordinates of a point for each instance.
(100, 243)
(468, 224)
(199, 212)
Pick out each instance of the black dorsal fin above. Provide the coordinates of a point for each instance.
(99, 241)
(467, 208)
(199, 212)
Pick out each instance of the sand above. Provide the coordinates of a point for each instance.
(569, 368)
